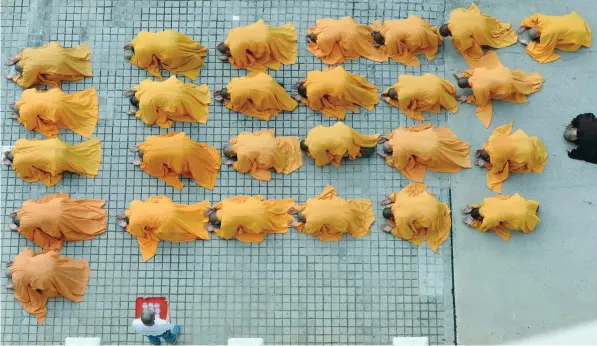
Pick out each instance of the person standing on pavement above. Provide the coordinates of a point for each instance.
(155, 328)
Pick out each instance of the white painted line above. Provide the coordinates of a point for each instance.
(82, 341)
(245, 342)
(235, 17)
(410, 341)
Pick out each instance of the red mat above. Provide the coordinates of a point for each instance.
(158, 304)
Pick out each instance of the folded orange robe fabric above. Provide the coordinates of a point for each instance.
(422, 147)
(45, 160)
(512, 152)
(169, 49)
(330, 144)
(250, 219)
(49, 111)
(158, 218)
(169, 155)
(37, 277)
(51, 63)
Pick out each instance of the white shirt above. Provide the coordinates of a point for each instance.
(159, 327)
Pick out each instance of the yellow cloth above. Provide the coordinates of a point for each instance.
(169, 155)
(259, 45)
(422, 147)
(158, 218)
(45, 160)
(418, 215)
(334, 90)
(55, 218)
(426, 93)
(258, 95)
(567, 33)
(49, 111)
(50, 64)
(330, 144)
(259, 151)
(250, 219)
(516, 153)
(406, 38)
(169, 49)
(329, 217)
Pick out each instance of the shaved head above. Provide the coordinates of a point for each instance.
(392, 93)
(484, 155)
(301, 217)
(378, 38)
(18, 67)
(304, 146)
(534, 34)
(463, 83)
(228, 151)
(388, 214)
(213, 218)
(476, 214)
(445, 31)
(387, 148)
(223, 48)
(302, 90)
(571, 134)
(312, 37)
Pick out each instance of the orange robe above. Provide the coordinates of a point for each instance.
(407, 38)
(169, 49)
(343, 39)
(258, 95)
(512, 152)
(567, 33)
(329, 217)
(334, 90)
(426, 93)
(158, 218)
(169, 155)
(45, 160)
(250, 219)
(55, 218)
(259, 151)
(418, 215)
(51, 63)
(422, 147)
(37, 277)
(330, 144)
(49, 111)
(259, 45)
(163, 103)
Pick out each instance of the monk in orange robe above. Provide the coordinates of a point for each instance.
(45, 160)
(503, 214)
(257, 95)
(416, 215)
(258, 152)
(158, 218)
(55, 218)
(333, 91)
(331, 144)
(37, 277)
(547, 33)
(337, 40)
(168, 49)
(328, 217)
(163, 103)
(169, 155)
(49, 111)
(417, 94)
(50, 64)
(415, 149)
(507, 152)
(257, 46)
(403, 39)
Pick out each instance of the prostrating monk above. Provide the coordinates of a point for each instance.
(158, 218)
(547, 33)
(328, 217)
(414, 214)
(334, 90)
(404, 39)
(337, 40)
(415, 149)
(503, 214)
(50, 64)
(249, 218)
(169, 49)
(163, 103)
(257, 95)
(49, 111)
(582, 131)
(258, 152)
(55, 218)
(45, 160)
(169, 155)
(507, 152)
(330, 144)
(257, 46)
(426, 93)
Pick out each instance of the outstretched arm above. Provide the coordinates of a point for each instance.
(583, 153)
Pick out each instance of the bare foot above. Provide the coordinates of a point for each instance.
(7, 76)
(294, 224)
(462, 99)
(128, 46)
(386, 201)
(11, 61)
(120, 216)
(136, 162)
(521, 29)
(10, 287)
(228, 162)
(218, 98)
(292, 211)
(129, 92)
(209, 211)
(122, 223)
(223, 58)
(13, 227)
(523, 41)
(479, 163)
(210, 228)
(385, 228)
(467, 209)
(467, 220)
(296, 97)
(132, 112)
(128, 56)
(135, 149)
(382, 140)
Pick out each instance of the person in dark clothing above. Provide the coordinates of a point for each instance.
(582, 131)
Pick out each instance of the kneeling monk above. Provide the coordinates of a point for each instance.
(582, 131)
